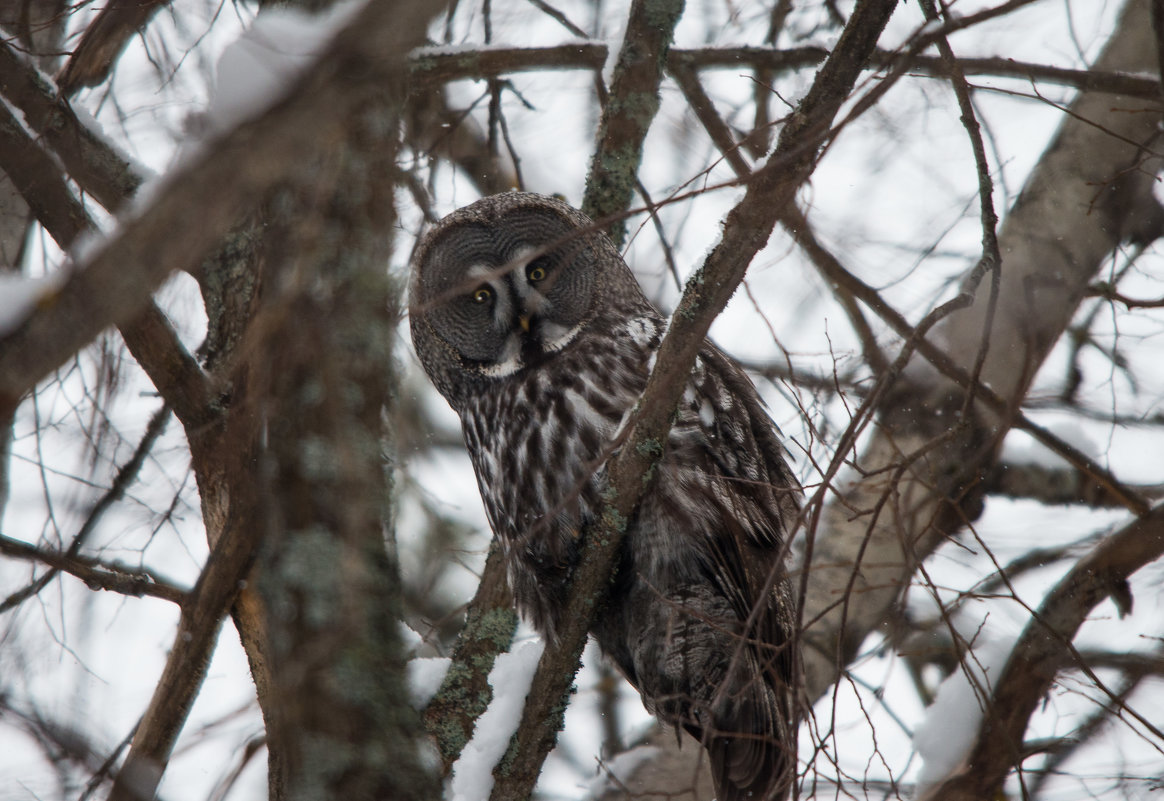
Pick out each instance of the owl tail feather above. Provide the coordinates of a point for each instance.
(751, 754)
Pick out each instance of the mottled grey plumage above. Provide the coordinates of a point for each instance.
(532, 326)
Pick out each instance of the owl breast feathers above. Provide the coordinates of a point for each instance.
(530, 324)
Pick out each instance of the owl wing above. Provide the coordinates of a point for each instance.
(724, 432)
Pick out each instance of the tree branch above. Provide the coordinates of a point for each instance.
(102, 42)
(746, 231)
(630, 108)
(1039, 654)
(96, 166)
(431, 66)
(154, 344)
(227, 181)
(451, 715)
(220, 582)
(37, 178)
(96, 574)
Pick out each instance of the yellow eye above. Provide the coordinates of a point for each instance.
(535, 274)
(482, 295)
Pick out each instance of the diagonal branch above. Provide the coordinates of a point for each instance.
(1038, 655)
(102, 42)
(36, 177)
(746, 231)
(154, 344)
(230, 178)
(207, 605)
(91, 161)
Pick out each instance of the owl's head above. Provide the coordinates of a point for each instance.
(507, 282)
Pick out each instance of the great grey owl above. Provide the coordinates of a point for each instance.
(531, 325)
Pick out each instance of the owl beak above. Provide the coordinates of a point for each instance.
(523, 320)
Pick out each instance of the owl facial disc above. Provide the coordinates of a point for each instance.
(522, 309)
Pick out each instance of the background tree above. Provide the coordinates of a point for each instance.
(973, 405)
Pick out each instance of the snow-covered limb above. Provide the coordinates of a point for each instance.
(510, 679)
(96, 164)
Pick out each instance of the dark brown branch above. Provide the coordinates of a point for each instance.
(562, 19)
(121, 482)
(96, 167)
(36, 176)
(229, 180)
(1105, 290)
(628, 112)
(1040, 652)
(705, 112)
(172, 369)
(103, 41)
(96, 574)
(432, 66)
(746, 230)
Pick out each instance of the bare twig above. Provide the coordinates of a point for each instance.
(991, 259)
(96, 574)
(121, 482)
(1038, 655)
